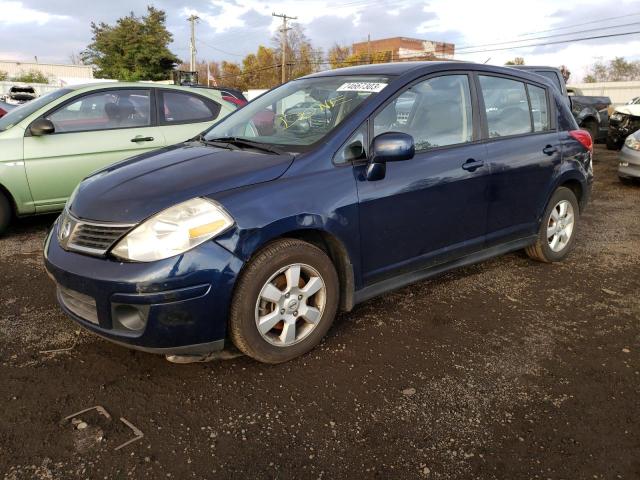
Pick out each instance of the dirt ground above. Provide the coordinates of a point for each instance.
(509, 369)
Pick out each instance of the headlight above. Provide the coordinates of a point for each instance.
(174, 231)
(632, 142)
(616, 116)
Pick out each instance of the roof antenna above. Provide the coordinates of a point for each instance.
(487, 60)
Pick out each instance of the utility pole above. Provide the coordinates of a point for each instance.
(369, 47)
(192, 47)
(284, 30)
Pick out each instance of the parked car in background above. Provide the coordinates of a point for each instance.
(49, 144)
(629, 158)
(5, 108)
(17, 95)
(625, 120)
(261, 238)
(591, 113)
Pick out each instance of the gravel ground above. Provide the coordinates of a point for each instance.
(506, 369)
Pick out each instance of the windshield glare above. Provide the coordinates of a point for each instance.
(18, 114)
(299, 113)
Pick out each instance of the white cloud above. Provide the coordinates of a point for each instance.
(14, 13)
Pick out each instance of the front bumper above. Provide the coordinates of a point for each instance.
(629, 163)
(177, 306)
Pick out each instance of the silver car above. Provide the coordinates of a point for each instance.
(629, 166)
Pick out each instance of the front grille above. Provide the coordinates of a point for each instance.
(89, 237)
(82, 305)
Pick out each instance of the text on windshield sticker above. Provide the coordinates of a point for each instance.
(373, 87)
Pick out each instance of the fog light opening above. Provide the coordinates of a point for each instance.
(129, 317)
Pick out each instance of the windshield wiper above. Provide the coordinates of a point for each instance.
(241, 142)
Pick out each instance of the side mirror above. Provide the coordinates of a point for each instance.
(41, 127)
(389, 147)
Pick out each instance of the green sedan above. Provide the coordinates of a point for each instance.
(47, 146)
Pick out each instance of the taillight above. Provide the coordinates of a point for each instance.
(583, 137)
(3, 112)
(234, 100)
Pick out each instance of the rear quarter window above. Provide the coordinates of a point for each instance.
(182, 107)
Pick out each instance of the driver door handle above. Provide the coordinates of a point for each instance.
(472, 165)
(549, 150)
(140, 138)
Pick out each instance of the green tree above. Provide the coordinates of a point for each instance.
(615, 70)
(515, 61)
(32, 76)
(3, 75)
(135, 48)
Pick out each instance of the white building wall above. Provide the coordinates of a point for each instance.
(619, 92)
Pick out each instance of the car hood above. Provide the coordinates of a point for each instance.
(629, 110)
(133, 190)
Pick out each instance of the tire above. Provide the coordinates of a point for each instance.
(5, 213)
(544, 249)
(254, 301)
(628, 181)
(591, 126)
(611, 144)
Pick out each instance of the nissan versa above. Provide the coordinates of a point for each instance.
(370, 178)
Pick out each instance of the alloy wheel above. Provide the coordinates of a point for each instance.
(290, 305)
(560, 226)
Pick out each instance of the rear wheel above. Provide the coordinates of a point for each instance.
(591, 126)
(5, 213)
(557, 230)
(285, 301)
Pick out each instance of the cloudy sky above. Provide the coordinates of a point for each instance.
(229, 29)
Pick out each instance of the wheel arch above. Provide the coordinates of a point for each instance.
(571, 180)
(337, 253)
(4, 191)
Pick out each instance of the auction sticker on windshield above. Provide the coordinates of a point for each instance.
(373, 87)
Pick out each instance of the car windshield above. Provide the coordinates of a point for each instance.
(23, 111)
(299, 113)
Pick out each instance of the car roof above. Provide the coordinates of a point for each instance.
(395, 68)
(423, 68)
(101, 85)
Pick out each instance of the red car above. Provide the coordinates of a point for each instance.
(5, 108)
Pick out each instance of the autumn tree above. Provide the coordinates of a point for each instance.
(615, 70)
(135, 48)
(338, 55)
(301, 57)
(515, 61)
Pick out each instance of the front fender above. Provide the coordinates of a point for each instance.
(325, 202)
(13, 174)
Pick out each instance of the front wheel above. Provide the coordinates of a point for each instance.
(5, 213)
(285, 301)
(557, 230)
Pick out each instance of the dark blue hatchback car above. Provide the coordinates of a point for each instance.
(363, 180)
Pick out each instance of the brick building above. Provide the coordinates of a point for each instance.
(404, 48)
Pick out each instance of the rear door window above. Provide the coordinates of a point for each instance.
(506, 105)
(182, 107)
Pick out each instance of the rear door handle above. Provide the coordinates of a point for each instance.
(549, 150)
(141, 139)
(472, 165)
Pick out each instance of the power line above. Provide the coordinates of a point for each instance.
(221, 50)
(595, 37)
(581, 24)
(546, 36)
